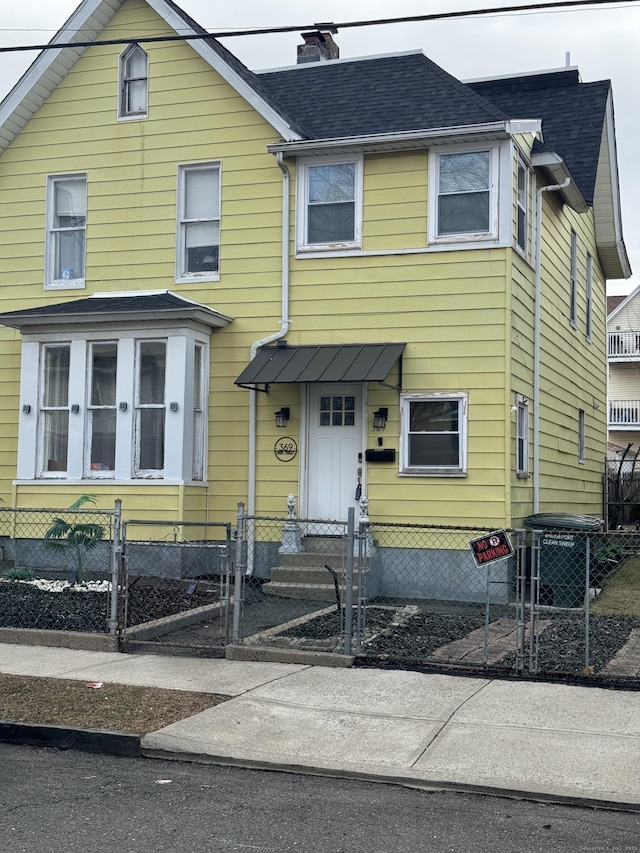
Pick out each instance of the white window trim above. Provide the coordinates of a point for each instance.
(573, 280)
(522, 418)
(178, 452)
(589, 298)
(189, 278)
(123, 115)
(496, 205)
(302, 245)
(51, 283)
(407, 470)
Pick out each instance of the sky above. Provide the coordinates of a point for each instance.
(603, 42)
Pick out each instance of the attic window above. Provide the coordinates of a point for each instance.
(134, 82)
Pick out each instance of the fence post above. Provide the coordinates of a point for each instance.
(116, 554)
(348, 592)
(238, 576)
(587, 599)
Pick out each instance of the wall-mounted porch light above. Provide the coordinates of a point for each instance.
(282, 416)
(380, 419)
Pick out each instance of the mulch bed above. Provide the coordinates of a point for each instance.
(25, 606)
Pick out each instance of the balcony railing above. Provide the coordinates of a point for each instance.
(624, 345)
(624, 413)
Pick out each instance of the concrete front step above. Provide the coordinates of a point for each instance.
(324, 545)
(308, 591)
(304, 575)
(311, 560)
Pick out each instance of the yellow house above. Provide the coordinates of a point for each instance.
(343, 278)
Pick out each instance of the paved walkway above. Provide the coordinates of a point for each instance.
(541, 740)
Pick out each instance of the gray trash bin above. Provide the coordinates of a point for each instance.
(562, 555)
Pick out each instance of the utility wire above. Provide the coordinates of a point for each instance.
(436, 16)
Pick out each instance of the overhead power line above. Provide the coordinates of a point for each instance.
(436, 16)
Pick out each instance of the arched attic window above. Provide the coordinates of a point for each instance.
(134, 82)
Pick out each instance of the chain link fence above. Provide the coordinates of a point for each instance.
(57, 568)
(403, 594)
(175, 587)
(584, 605)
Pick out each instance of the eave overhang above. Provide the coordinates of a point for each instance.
(142, 309)
(383, 142)
(557, 172)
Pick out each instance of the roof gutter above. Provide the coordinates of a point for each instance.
(393, 141)
(556, 170)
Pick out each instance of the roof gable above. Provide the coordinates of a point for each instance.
(572, 113)
(85, 25)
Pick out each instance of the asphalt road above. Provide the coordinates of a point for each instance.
(67, 802)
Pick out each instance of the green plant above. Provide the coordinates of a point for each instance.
(18, 574)
(77, 539)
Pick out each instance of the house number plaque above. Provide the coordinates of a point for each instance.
(285, 449)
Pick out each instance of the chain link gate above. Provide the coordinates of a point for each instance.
(176, 587)
(387, 593)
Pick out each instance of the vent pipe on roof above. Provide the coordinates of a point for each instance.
(318, 46)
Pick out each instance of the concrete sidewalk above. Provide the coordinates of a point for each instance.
(547, 741)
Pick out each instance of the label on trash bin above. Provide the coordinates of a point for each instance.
(491, 547)
(560, 540)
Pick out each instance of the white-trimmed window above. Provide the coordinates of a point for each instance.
(330, 204)
(102, 406)
(66, 231)
(133, 82)
(582, 445)
(463, 190)
(433, 434)
(522, 436)
(198, 242)
(522, 213)
(573, 280)
(589, 298)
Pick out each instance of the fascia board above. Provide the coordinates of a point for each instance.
(51, 66)
(85, 24)
(392, 141)
(606, 204)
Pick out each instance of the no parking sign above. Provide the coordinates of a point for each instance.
(491, 547)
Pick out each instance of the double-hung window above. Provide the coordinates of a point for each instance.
(589, 298)
(66, 231)
(582, 436)
(464, 195)
(434, 434)
(101, 408)
(522, 437)
(151, 362)
(573, 280)
(522, 215)
(329, 204)
(198, 241)
(54, 409)
(134, 82)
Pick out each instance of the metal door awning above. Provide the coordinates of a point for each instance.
(321, 363)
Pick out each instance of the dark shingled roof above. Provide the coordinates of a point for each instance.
(387, 94)
(572, 116)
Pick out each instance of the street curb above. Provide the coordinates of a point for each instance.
(61, 737)
(550, 798)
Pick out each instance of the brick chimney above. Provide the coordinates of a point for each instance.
(318, 46)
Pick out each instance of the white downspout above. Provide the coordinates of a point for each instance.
(284, 327)
(536, 341)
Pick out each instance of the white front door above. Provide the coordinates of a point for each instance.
(335, 437)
